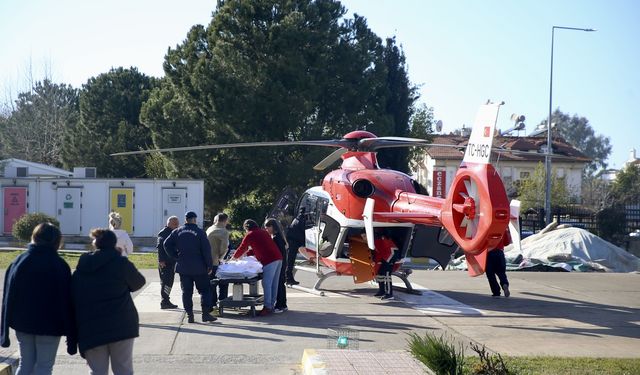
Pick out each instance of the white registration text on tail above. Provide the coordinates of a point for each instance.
(481, 140)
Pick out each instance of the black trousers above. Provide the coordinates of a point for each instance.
(167, 276)
(292, 253)
(222, 287)
(204, 289)
(496, 266)
(281, 298)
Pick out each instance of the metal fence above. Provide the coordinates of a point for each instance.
(633, 217)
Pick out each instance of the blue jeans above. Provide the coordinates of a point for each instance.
(270, 276)
(37, 353)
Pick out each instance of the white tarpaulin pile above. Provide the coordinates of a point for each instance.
(572, 249)
(247, 267)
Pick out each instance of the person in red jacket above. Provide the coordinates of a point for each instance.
(385, 254)
(258, 242)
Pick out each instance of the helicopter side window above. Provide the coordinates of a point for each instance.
(315, 211)
(308, 202)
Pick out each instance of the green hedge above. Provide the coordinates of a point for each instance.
(23, 228)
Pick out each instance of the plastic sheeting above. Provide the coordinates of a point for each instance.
(247, 267)
(571, 249)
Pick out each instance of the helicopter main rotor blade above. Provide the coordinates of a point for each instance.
(328, 143)
(372, 144)
(332, 158)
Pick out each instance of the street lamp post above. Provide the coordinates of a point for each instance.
(547, 158)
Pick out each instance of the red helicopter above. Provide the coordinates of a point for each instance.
(359, 195)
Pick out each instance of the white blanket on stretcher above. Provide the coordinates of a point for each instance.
(246, 267)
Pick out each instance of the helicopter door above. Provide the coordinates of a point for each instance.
(315, 208)
(432, 242)
(330, 229)
(284, 207)
(361, 263)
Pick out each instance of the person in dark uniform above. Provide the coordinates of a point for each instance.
(275, 230)
(166, 264)
(296, 239)
(497, 266)
(189, 246)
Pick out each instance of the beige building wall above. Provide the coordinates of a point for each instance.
(510, 172)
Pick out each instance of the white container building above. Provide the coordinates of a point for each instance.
(81, 202)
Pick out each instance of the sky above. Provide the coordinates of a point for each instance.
(460, 53)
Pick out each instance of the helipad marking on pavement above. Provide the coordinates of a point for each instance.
(433, 303)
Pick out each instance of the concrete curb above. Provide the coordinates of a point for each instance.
(360, 362)
(312, 363)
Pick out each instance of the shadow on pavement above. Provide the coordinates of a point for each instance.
(608, 319)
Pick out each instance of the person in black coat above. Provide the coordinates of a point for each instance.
(166, 264)
(497, 266)
(191, 249)
(272, 226)
(295, 239)
(37, 302)
(106, 318)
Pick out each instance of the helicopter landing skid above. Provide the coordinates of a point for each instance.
(307, 267)
(403, 274)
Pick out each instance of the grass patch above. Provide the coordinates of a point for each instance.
(443, 357)
(141, 261)
(565, 365)
(437, 353)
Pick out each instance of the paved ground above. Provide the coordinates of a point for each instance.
(564, 314)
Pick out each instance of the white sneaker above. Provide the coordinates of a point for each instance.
(278, 311)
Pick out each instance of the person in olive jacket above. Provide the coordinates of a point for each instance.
(37, 302)
(106, 318)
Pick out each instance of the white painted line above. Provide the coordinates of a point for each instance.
(433, 303)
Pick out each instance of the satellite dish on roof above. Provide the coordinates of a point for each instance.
(439, 126)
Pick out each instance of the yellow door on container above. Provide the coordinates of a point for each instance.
(122, 203)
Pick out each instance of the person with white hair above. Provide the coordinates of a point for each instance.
(124, 243)
(166, 264)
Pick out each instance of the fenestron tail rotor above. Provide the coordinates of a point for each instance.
(471, 220)
(476, 213)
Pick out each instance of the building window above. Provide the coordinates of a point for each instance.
(524, 175)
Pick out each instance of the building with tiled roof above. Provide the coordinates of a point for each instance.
(439, 165)
(632, 158)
